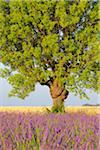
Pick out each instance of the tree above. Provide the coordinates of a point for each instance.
(55, 43)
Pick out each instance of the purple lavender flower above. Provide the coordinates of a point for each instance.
(56, 131)
(78, 139)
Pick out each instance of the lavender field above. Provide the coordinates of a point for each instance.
(37, 131)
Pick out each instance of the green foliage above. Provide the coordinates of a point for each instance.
(43, 40)
(33, 143)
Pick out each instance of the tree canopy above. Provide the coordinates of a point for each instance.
(46, 39)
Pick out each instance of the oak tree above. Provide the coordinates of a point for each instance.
(55, 43)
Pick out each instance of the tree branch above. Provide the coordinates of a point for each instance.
(48, 82)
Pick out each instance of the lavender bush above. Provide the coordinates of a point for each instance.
(34, 131)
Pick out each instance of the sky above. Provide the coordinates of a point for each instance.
(41, 97)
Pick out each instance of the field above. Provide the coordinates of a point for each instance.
(32, 128)
(87, 109)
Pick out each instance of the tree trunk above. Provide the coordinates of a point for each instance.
(58, 94)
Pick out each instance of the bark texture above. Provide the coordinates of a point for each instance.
(58, 94)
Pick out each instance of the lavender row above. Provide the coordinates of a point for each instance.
(30, 131)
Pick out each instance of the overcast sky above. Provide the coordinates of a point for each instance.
(41, 97)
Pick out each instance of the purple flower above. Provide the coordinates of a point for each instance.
(59, 142)
(78, 139)
(76, 130)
